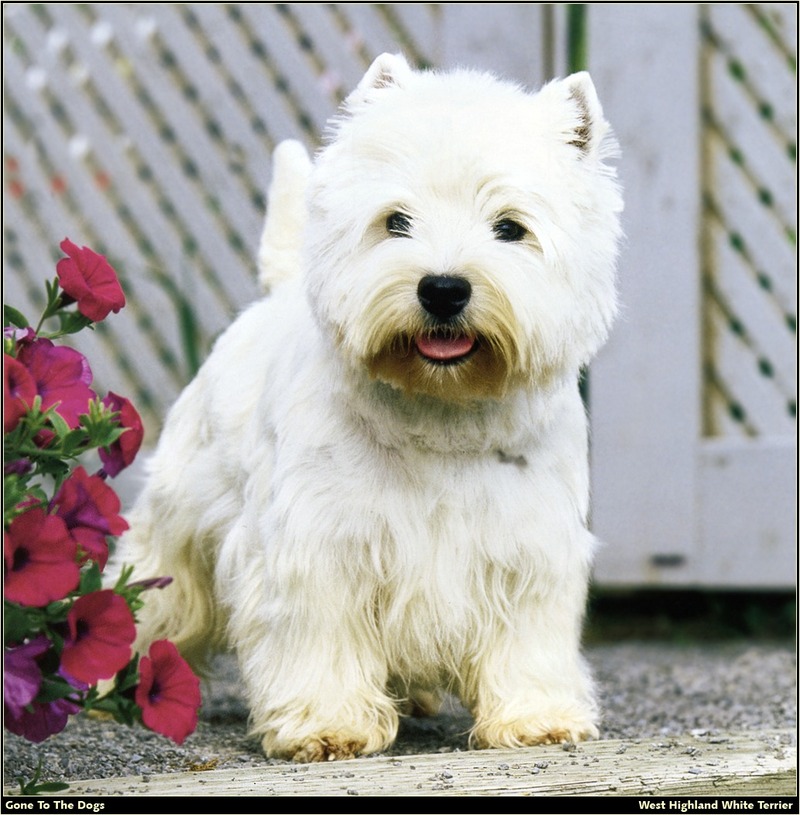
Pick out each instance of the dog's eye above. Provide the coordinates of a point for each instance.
(509, 231)
(398, 224)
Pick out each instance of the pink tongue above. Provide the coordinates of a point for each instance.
(444, 348)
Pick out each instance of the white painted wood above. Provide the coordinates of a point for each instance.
(420, 23)
(738, 367)
(57, 220)
(765, 65)
(368, 29)
(344, 66)
(766, 242)
(271, 28)
(765, 153)
(244, 69)
(674, 507)
(763, 319)
(747, 489)
(645, 385)
(660, 497)
(504, 38)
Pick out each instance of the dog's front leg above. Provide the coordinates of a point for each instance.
(303, 629)
(530, 684)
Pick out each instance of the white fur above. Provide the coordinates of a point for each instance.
(363, 541)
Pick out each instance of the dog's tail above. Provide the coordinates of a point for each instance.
(279, 250)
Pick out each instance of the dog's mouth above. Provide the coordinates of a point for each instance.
(444, 348)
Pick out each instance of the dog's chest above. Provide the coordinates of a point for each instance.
(458, 539)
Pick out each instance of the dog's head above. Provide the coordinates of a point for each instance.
(463, 233)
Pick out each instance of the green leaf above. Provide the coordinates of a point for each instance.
(74, 442)
(91, 580)
(60, 426)
(19, 623)
(48, 786)
(13, 317)
(33, 787)
(52, 689)
(71, 322)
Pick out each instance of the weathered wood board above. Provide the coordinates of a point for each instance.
(759, 763)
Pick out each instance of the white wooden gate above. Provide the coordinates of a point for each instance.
(694, 400)
(144, 131)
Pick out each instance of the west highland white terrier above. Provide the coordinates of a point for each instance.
(376, 488)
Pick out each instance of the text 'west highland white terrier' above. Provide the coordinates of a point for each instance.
(376, 488)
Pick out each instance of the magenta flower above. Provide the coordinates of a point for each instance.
(62, 377)
(40, 720)
(22, 677)
(168, 692)
(19, 335)
(88, 278)
(101, 633)
(39, 559)
(117, 456)
(19, 390)
(90, 510)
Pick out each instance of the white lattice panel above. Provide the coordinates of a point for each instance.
(750, 275)
(144, 131)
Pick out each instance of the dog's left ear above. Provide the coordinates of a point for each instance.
(587, 125)
(386, 71)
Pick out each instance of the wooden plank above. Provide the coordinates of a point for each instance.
(344, 65)
(504, 38)
(748, 529)
(753, 308)
(237, 155)
(421, 24)
(645, 385)
(272, 29)
(700, 764)
(210, 229)
(766, 243)
(765, 155)
(765, 407)
(767, 70)
(367, 28)
(255, 77)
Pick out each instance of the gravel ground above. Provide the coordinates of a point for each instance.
(647, 690)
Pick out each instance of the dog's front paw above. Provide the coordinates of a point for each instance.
(528, 732)
(325, 747)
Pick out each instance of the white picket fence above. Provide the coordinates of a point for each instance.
(144, 130)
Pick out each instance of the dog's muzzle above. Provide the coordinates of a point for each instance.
(444, 297)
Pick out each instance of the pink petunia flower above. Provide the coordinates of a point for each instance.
(101, 633)
(19, 390)
(40, 720)
(90, 510)
(89, 279)
(22, 679)
(39, 558)
(22, 676)
(19, 335)
(168, 692)
(117, 456)
(62, 377)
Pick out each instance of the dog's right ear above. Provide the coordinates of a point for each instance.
(386, 71)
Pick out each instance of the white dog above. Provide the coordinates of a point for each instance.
(376, 488)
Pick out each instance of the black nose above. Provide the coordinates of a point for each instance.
(444, 296)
